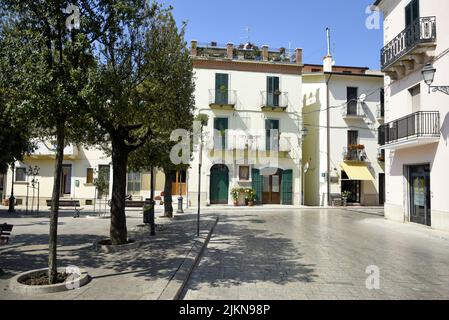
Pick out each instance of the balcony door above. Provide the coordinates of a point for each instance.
(221, 88)
(420, 209)
(273, 91)
(352, 97)
(221, 126)
(271, 138)
(411, 12)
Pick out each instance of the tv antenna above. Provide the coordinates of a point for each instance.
(248, 34)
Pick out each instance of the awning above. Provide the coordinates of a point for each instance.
(357, 171)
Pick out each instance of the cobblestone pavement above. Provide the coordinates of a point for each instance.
(320, 254)
(141, 273)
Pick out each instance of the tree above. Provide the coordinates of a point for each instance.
(131, 91)
(46, 61)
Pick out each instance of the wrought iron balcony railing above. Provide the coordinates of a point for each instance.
(354, 154)
(423, 124)
(353, 110)
(222, 98)
(423, 30)
(274, 101)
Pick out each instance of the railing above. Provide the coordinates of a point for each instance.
(419, 124)
(274, 99)
(423, 30)
(353, 109)
(354, 154)
(222, 97)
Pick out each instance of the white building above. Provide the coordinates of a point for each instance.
(81, 166)
(342, 110)
(253, 99)
(416, 132)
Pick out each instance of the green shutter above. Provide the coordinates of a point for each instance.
(287, 187)
(221, 88)
(257, 185)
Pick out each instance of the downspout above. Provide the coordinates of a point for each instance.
(328, 176)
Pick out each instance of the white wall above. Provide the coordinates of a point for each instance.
(246, 116)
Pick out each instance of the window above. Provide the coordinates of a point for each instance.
(21, 174)
(220, 133)
(90, 175)
(272, 135)
(415, 94)
(104, 171)
(273, 92)
(221, 88)
(351, 98)
(382, 102)
(411, 12)
(134, 182)
(353, 137)
(243, 173)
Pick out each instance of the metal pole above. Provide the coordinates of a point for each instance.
(180, 199)
(38, 196)
(152, 203)
(12, 200)
(199, 182)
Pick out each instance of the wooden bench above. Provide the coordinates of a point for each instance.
(131, 203)
(5, 233)
(69, 205)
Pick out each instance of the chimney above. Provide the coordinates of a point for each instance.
(327, 63)
(230, 50)
(193, 48)
(265, 53)
(298, 56)
(327, 60)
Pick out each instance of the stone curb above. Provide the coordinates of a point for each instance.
(177, 283)
(116, 249)
(20, 288)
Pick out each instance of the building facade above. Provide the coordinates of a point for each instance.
(81, 167)
(416, 132)
(343, 108)
(253, 100)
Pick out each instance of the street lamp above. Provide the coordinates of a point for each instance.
(428, 73)
(12, 199)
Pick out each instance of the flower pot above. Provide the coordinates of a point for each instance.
(236, 203)
(250, 203)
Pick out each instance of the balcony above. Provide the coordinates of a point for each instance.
(417, 129)
(274, 102)
(354, 153)
(222, 99)
(353, 110)
(409, 47)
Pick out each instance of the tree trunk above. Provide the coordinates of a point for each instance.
(170, 177)
(118, 230)
(53, 238)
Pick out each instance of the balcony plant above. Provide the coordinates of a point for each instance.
(235, 194)
(250, 195)
(360, 147)
(344, 197)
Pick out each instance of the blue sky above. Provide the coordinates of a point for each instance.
(278, 23)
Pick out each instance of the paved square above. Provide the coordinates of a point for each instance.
(320, 254)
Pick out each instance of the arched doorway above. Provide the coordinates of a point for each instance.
(219, 184)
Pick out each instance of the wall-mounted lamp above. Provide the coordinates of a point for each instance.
(428, 73)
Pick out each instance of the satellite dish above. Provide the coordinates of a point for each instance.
(362, 98)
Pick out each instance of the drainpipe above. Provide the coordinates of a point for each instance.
(328, 176)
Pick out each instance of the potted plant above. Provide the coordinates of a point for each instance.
(250, 196)
(235, 193)
(344, 197)
(360, 147)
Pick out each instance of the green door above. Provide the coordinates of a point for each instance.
(257, 185)
(287, 187)
(272, 91)
(219, 184)
(221, 88)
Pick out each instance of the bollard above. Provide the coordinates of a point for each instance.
(180, 210)
(148, 215)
